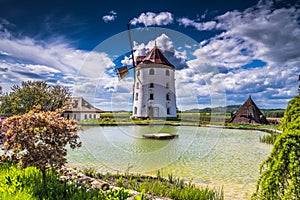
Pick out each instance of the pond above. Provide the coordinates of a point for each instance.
(227, 158)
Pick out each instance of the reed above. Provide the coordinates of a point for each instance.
(171, 187)
(268, 139)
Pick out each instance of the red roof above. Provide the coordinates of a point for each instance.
(154, 56)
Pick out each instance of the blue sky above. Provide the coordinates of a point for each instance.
(223, 51)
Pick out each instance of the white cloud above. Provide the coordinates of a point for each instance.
(200, 26)
(266, 84)
(231, 52)
(110, 17)
(262, 32)
(273, 33)
(56, 56)
(4, 53)
(165, 44)
(150, 19)
(54, 62)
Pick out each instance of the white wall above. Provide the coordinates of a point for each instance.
(156, 84)
(82, 116)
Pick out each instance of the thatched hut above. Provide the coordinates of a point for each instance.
(248, 113)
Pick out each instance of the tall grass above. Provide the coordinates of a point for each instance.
(268, 139)
(170, 187)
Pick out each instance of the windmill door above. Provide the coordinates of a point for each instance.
(153, 112)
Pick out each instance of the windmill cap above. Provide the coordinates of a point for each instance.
(154, 56)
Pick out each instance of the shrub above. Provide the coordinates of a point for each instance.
(280, 173)
(39, 139)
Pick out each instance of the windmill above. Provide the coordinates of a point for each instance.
(123, 71)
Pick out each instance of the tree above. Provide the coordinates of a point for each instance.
(291, 118)
(280, 173)
(33, 93)
(39, 139)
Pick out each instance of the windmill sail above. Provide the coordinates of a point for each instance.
(122, 72)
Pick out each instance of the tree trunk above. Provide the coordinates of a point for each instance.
(44, 181)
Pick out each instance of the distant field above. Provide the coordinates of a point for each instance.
(274, 116)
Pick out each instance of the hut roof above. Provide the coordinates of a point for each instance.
(249, 113)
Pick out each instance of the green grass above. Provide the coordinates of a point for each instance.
(26, 184)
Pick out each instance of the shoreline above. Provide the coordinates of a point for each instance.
(239, 127)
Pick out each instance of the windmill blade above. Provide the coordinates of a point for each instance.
(130, 43)
(122, 72)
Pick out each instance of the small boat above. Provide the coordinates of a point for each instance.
(160, 136)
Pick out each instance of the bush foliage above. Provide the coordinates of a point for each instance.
(39, 139)
(280, 173)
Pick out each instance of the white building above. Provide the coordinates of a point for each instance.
(79, 109)
(154, 87)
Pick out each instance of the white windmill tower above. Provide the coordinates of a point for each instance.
(154, 85)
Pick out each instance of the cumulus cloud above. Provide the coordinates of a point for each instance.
(150, 19)
(110, 17)
(23, 59)
(231, 52)
(165, 44)
(273, 33)
(260, 32)
(270, 88)
(60, 56)
(264, 33)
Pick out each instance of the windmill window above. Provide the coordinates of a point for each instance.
(151, 72)
(167, 72)
(167, 85)
(137, 85)
(138, 73)
(135, 110)
(151, 97)
(151, 85)
(168, 111)
(168, 96)
(136, 96)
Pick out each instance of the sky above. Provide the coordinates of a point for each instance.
(223, 51)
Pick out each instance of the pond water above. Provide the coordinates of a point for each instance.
(218, 158)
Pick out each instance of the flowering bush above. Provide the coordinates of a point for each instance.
(39, 139)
